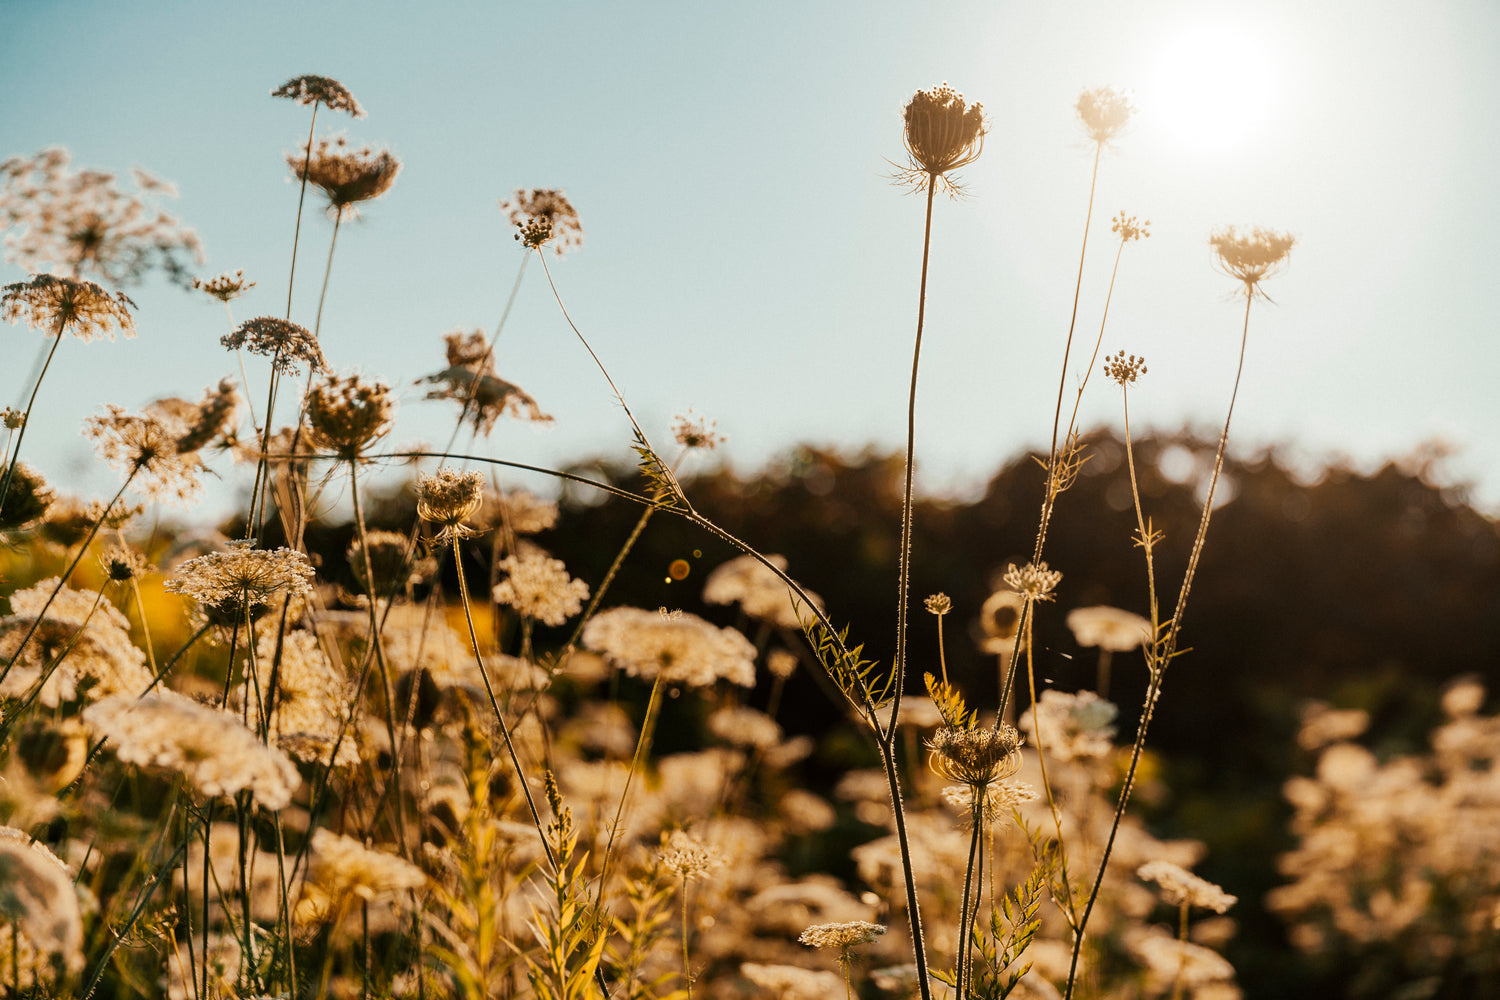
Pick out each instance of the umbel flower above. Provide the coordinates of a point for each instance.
(281, 340)
(242, 581)
(148, 451)
(544, 215)
(943, 133)
(539, 587)
(760, 593)
(27, 499)
(1124, 370)
(209, 747)
(449, 498)
(81, 646)
(1113, 629)
(346, 176)
(470, 379)
(1250, 255)
(80, 223)
(41, 927)
(975, 756)
(322, 90)
(682, 648)
(347, 414)
(1104, 112)
(225, 287)
(68, 305)
(1034, 581)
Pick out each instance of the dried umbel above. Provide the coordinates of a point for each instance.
(1180, 887)
(346, 176)
(544, 215)
(67, 305)
(281, 340)
(349, 413)
(1104, 112)
(943, 133)
(392, 562)
(539, 587)
(1124, 371)
(145, 449)
(210, 748)
(693, 431)
(342, 867)
(1034, 581)
(470, 379)
(1129, 227)
(1251, 255)
(242, 582)
(688, 856)
(449, 498)
(80, 223)
(123, 563)
(320, 90)
(975, 756)
(842, 935)
(225, 287)
(197, 425)
(27, 499)
(80, 649)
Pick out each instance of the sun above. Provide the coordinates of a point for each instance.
(1211, 86)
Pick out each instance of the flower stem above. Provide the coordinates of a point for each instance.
(297, 233)
(10, 467)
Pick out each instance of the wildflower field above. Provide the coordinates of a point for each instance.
(429, 722)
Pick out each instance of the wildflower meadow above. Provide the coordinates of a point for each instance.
(425, 721)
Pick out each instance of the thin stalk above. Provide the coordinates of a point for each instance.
(642, 748)
(967, 910)
(297, 233)
(327, 271)
(687, 974)
(1071, 910)
(1160, 659)
(10, 467)
(489, 351)
(262, 484)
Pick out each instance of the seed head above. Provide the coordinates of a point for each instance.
(225, 287)
(145, 449)
(1105, 112)
(122, 563)
(688, 856)
(943, 133)
(470, 379)
(448, 499)
(544, 215)
(1034, 581)
(27, 499)
(842, 935)
(693, 431)
(1250, 256)
(57, 305)
(320, 90)
(346, 176)
(1124, 370)
(281, 340)
(12, 418)
(975, 756)
(1128, 227)
(939, 604)
(242, 582)
(347, 414)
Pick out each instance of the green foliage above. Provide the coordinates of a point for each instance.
(1011, 929)
(857, 678)
(650, 922)
(572, 935)
(665, 491)
(950, 703)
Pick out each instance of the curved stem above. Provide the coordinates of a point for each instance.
(489, 351)
(327, 270)
(10, 466)
(1062, 381)
(642, 748)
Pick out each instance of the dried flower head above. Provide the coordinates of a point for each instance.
(1124, 370)
(41, 926)
(242, 582)
(938, 604)
(348, 414)
(281, 340)
(943, 133)
(303, 700)
(539, 587)
(320, 90)
(692, 431)
(688, 856)
(225, 287)
(12, 418)
(1180, 886)
(543, 215)
(211, 748)
(999, 798)
(145, 450)
(342, 867)
(196, 425)
(27, 498)
(843, 935)
(392, 562)
(67, 305)
(470, 379)
(683, 648)
(1252, 255)
(975, 756)
(346, 176)
(449, 498)
(1111, 629)
(760, 593)
(80, 223)
(122, 563)
(1034, 581)
(1104, 111)
(80, 648)
(1129, 227)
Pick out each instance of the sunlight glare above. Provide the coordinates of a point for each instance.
(1210, 86)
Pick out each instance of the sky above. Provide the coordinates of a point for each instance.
(745, 251)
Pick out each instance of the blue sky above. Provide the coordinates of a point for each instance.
(745, 252)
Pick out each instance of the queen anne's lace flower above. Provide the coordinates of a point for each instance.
(57, 305)
(1179, 886)
(242, 581)
(322, 90)
(682, 648)
(539, 587)
(763, 595)
(84, 641)
(41, 927)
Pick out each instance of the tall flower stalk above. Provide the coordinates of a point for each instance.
(943, 133)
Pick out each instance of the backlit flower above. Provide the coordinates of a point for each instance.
(320, 90)
(1250, 255)
(975, 756)
(470, 379)
(242, 581)
(1108, 628)
(1104, 112)
(41, 927)
(539, 587)
(683, 648)
(348, 414)
(145, 450)
(448, 498)
(346, 176)
(942, 134)
(1034, 581)
(225, 287)
(283, 341)
(1180, 886)
(66, 305)
(760, 593)
(544, 215)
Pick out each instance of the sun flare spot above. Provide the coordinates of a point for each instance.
(1211, 86)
